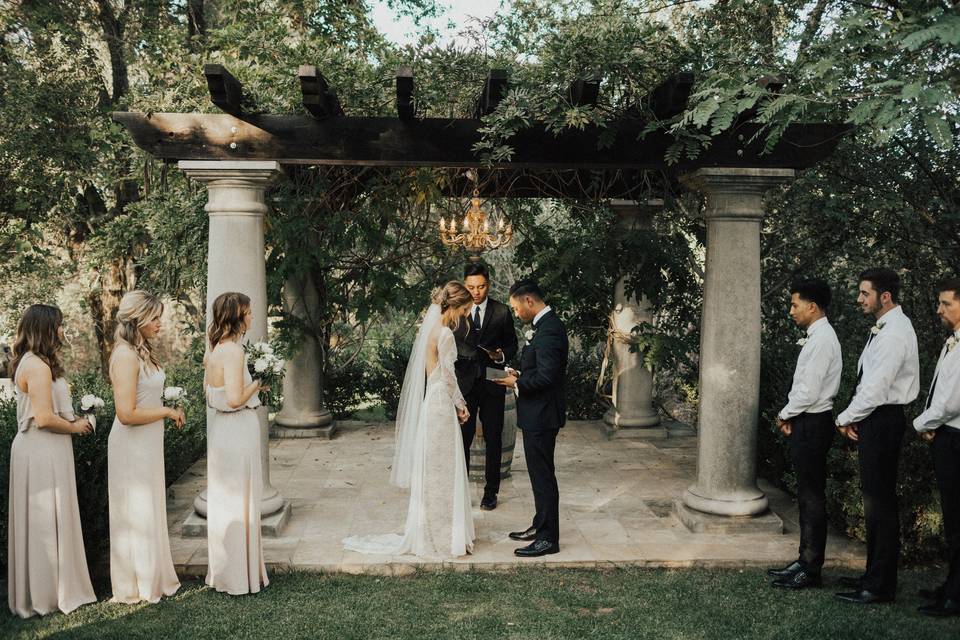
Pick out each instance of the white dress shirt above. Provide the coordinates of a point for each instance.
(943, 407)
(542, 313)
(817, 376)
(890, 367)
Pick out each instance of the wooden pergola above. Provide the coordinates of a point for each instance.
(237, 153)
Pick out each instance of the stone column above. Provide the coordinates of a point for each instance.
(726, 482)
(632, 414)
(303, 413)
(236, 262)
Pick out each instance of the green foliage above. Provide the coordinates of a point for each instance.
(583, 367)
(389, 368)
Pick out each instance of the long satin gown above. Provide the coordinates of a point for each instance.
(234, 487)
(46, 561)
(141, 567)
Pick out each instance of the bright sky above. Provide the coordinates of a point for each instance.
(403, 31)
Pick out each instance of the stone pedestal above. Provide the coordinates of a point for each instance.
(303, 414)
(632, 414)
(726, 482)
(236, 262)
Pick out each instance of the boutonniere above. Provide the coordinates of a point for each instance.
(802, 341)
(951, 342)
(875, 329)
(529, 335)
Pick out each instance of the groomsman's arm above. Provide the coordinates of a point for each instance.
(508, 339)
(944, 406)
(807, 382)
(876, 382)
(546, 373)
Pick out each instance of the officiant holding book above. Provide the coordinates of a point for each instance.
(488, 340)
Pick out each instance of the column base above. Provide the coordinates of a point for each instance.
(271, 502)
(617, 425)
(700, 522)
(282, 431)
(195, 525)
(751, 504)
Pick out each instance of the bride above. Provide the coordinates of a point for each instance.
(429, 458)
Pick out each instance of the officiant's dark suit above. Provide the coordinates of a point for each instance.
(484, 398)
(541, 413)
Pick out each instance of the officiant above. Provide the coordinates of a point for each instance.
(488, 340)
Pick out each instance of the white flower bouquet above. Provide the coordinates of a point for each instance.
(89, 406)
(174, 396)
(268, 369)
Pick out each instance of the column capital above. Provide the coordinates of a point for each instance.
(211, 170)
(734, 192)
(632, 212)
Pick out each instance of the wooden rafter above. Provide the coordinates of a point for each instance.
(318, 98)
(225, 91)
(406, 109)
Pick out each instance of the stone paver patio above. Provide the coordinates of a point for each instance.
(616, 508)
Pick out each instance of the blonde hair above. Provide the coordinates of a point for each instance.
(452, 295)
(137, 308)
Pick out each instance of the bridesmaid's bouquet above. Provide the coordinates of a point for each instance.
(268, 369)
(89, 406)
(174, 397)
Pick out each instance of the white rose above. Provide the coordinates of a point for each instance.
(260, 365)
(88, 401)
(266, 348)
(802, 341)
(278, 366)
(174, 393)
(528, 335)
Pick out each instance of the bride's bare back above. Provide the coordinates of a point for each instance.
(433, 354)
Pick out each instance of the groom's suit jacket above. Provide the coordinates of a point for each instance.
(541, 405)
(497, 332)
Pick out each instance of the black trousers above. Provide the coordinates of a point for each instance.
(878, 449)
(946, 460)
(538, 448)
(809, 442)
(486, 400)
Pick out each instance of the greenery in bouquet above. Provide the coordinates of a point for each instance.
(266, 367)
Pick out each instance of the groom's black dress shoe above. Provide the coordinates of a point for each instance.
(947, 608)
(936, 593)
(489, 503)
(799, 580)
(864, 597)
(524, 536)
(786, 572)
(537, 548)
(853, 583)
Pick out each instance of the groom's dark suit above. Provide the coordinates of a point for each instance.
(484, 398)
(541, 412)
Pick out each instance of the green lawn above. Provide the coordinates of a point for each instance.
(532, 603)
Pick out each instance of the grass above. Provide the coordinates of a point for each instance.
(525, 603)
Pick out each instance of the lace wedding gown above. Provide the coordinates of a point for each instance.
(439, 517)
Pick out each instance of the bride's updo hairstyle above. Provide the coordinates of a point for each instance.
(137, 308)
(452, 295)
(228, 311)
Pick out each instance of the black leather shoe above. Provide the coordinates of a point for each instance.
(537, 548)
(947, 608)
(489, 503)
(932, 594)
(524, 536)
(786, 572)
(799, 580)
(853, 583)
(864, 597)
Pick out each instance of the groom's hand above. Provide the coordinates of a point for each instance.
(463, 415)
(509, 381)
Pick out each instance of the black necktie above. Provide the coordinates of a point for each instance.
(476, 320)
(860, 371)
(933, 386)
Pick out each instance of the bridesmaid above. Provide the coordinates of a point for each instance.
(141, 567)
(234, 477)
(47, 565)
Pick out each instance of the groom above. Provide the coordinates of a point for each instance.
(541, 412)
(488, 340)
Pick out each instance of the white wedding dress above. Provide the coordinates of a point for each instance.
(429, 455)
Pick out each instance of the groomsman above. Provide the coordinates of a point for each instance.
(940, 423)
(807, 421)
(887, 379)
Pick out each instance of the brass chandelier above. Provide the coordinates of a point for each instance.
(475, 233)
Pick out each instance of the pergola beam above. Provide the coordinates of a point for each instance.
(406, 109)
(318, 98)
(225, 91)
